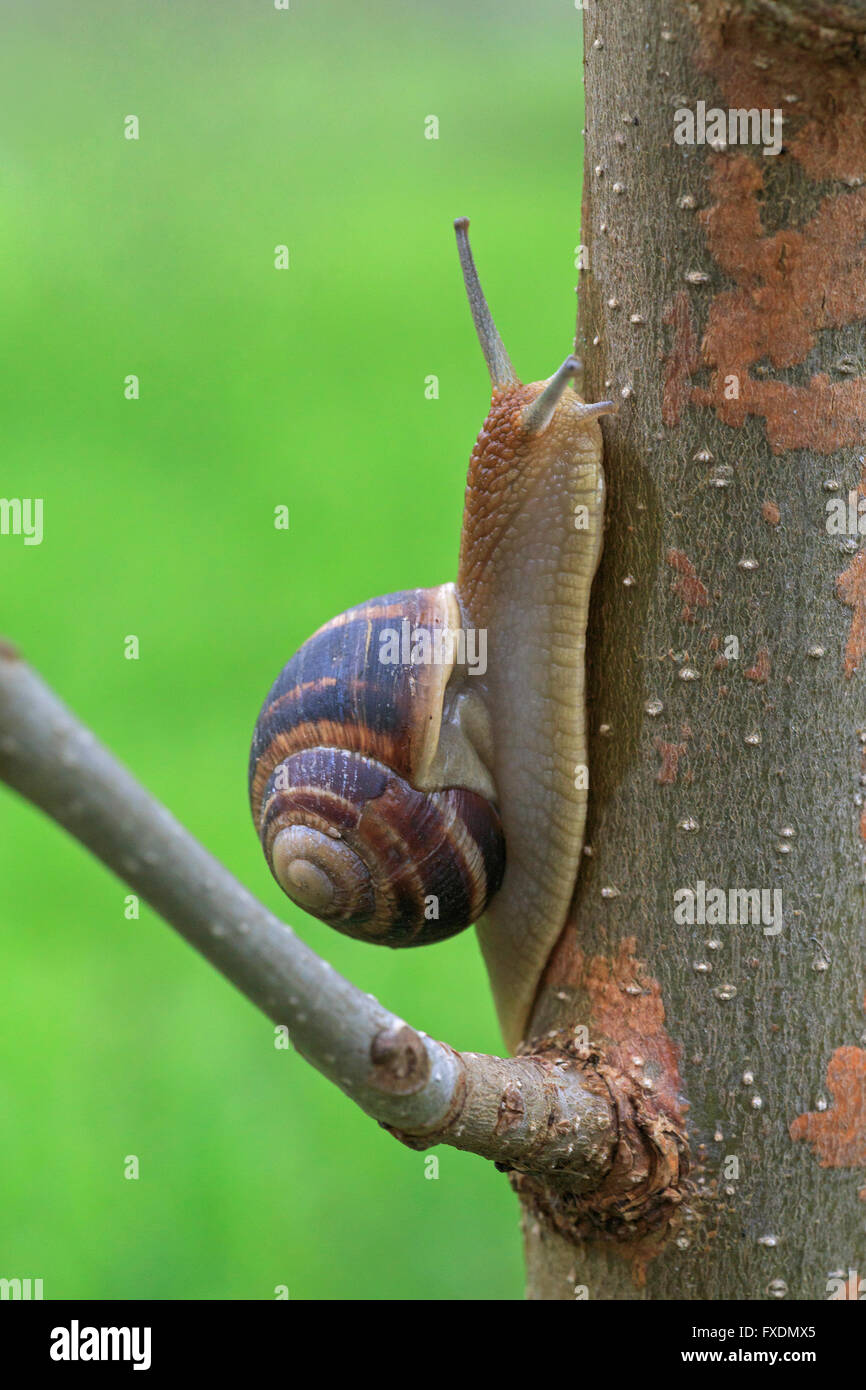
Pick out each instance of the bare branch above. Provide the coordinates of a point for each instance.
(533, 1114)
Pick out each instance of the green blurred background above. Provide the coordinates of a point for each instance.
(258, 387)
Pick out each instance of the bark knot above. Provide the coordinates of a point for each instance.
(400, 1061)
(636, 1203)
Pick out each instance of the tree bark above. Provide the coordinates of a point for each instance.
(724, 302)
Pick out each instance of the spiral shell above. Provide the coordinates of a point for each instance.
(340, 771)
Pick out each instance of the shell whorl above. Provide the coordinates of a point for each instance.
(342, 742)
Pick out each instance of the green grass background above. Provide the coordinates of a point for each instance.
(258, 387)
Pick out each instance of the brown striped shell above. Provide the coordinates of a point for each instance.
(343, 746)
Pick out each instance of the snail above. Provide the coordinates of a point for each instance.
(402, 786)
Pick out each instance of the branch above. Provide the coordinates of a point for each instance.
(533, 1114)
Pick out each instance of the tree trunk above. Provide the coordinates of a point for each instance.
(723, 302)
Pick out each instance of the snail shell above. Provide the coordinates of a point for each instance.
(349, 777)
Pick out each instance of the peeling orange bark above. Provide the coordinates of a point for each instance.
(837, 1136)
(791, 285)
(760, 672)
(626, 1008)
(670, 756)
(689, 589)
(796, 282)
(829, 99)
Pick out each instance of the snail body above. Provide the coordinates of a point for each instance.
(401, 790)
